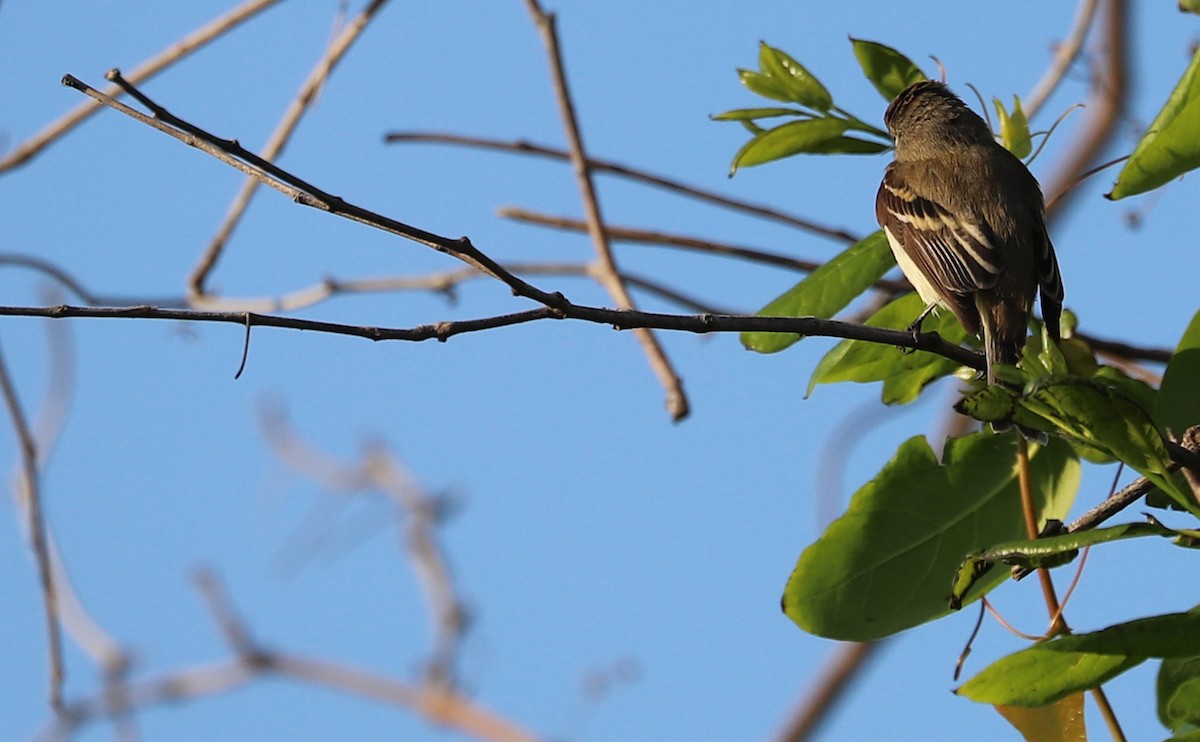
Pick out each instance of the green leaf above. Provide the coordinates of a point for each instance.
(1053, 551)
(826, 291)
(797, 82)
(1014, 128)
(1178, 405)
(1104, 418)
(787, 139)
(1189, 6)
(764, 85)
(749, 114)
(849, 146)
(886, 564)
(1179, 693)
(1170, 147)
(887, 69)
(903, 374)
(1057, 668)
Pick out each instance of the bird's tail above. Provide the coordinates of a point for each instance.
(1004, 328)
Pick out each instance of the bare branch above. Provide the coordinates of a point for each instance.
(847, 665)
(711, 247)
(620, 319)
(521, 146)
(610, 276)
(277, 141)
(175, 52)
(233, 154)
(1109, 91)
(29, 497)
(1064, 56)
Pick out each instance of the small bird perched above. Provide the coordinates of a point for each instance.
(966, 222)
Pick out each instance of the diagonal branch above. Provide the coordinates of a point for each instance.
(710, 247)
(521, 146)
(233, 154)
(192, 42)
(30, 499)
(1064, 56)
(278, 140)
(610, 278)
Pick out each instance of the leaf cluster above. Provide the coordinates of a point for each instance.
(920, 539)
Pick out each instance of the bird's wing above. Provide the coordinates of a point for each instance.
(955, 253)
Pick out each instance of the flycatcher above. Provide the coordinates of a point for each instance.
(966, 222)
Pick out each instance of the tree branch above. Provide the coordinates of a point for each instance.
(521, 146)
(277, 141)
(30, 148)
(610, 276)
(620, 319)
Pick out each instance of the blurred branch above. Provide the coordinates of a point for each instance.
(1118, 349)
(76, 287)
(30, 500)
(444, 282)
(175, 52)
(276, 143)
(1109, 91)
(252, 662)
(849, 660)
(521, 146)
(610, 277)
(1064, 56)
(379, 470)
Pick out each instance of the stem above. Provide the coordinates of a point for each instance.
(1058, 625)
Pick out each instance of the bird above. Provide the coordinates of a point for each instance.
(966, 222)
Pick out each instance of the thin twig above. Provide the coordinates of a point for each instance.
(276, 143)
(620, 319)
(710, 247)
(29, 496)
(448, 613)
(238, 157)
(1064, 56)
(144, 71)
(76, 287)
(1058, 624)
(610, 279)
(1109, 91)
(848, 662)
(521, 146)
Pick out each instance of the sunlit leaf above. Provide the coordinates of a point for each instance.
(1062, 721)
(886, 565)
(1046, 672)
(849, 146)
(887, 69)
(1170, 147)
(826, 291)
(788, 139)
(797, 82)
(764, 85)
(1014, 128)
(903, 374)
(749, 114)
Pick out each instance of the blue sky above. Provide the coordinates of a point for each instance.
(592, 531)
